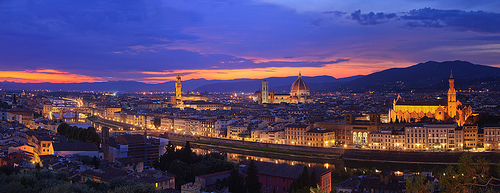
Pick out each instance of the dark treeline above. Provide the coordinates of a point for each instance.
(88, 135)
(4, 105)
(186, 165)
(11, 180)
(470, 175)
(304, 182)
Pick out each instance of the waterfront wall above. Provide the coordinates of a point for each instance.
(415, 157)
(346, 154)
(178, 137)
(317, 150)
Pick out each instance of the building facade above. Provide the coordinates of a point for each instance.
(492, 137)
(413, 111)
(299, 93)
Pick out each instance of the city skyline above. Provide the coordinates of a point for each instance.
(153, 42)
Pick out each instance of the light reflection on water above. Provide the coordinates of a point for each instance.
(342, 166)
(236, 158)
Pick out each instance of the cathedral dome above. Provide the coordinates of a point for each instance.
(299, 87)
(257, 93)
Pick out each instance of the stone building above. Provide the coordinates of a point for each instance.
(413, 111)
(299, 93)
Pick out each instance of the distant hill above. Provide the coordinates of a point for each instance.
(111, 86)
(423, 76)
(243, 85)
(276, 84)
(428, 75)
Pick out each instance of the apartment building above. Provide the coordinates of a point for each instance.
(491, 137)
(470, 135)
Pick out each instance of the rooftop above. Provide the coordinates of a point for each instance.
(74, 146)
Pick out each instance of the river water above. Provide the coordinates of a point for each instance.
(338, 165)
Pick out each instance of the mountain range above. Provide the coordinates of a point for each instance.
(428, 75)
(422, 76)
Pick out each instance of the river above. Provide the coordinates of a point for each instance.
(337, 165)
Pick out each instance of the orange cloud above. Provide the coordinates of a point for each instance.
(337, 70)
(46, 75)
(50, 71)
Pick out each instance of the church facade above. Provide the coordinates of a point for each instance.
(299, 93)
(414, 111)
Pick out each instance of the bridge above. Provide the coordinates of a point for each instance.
(68, 113)
(119, 127)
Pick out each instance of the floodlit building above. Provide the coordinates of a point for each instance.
(412, 111)
(299, 93)
(178, 98)
(492, 137)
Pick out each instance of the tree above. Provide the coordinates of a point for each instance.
(252, 184)
(316, 189)
(186, 154)
(170, 147)
(313, 181)
(304, 179)
(304, 182)
(62, 129)
(166, 159)
(92, 136)
(182, 171)
(4, 105)
(235, 181)
(467, 176)
(118, 182)
(418, 185)
(96, 162)
(157, 122)
(136, 188)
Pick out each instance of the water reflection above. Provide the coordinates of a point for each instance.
(236, 158)
(338, 166)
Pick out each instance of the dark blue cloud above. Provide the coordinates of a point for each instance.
(482, 38)
(122, 37)
(478, 21)
(81, 36)
(89, 17)
(372, 18)
(335, 13)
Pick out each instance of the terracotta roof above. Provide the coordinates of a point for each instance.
(352, 182)
(423, 103)
(107, 175)
(129, 139)
(127, 160)
(299, 84)
(278, 170)
(296, 126)
(210, 179)
(74, 147)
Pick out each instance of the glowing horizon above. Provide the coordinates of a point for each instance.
(152, 42)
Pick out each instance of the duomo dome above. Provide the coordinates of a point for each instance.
(299, 87)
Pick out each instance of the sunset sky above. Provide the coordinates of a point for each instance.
(154, 41)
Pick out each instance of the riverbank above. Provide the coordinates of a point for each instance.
(263, 152)
(329, 154)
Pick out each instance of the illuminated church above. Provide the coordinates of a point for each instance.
(413, 111)
(178, 98)
(299, 93)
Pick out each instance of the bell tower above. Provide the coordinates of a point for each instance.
(452, 97)
(178, 86)
(265, 91)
